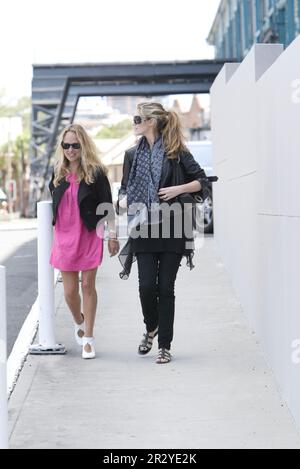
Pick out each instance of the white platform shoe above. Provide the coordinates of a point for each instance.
(91, 342)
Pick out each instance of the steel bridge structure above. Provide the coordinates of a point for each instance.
(56, 89)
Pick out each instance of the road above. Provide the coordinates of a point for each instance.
(18, 253)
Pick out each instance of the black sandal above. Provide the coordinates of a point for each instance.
(164, 356)
(147, 342)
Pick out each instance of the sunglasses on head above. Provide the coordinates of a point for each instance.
(66, 146)
(139, 119)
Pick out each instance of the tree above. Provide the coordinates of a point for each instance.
(21, 107)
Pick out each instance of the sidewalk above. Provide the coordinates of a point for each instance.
(216, 393)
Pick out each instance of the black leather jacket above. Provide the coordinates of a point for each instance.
(89, 197)
(190, 168)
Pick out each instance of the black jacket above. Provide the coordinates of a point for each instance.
(190, 169)
(89, 197)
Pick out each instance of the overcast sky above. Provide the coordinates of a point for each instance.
(56, 31)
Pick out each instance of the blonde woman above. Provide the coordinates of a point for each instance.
(78, 185)
(150, 177)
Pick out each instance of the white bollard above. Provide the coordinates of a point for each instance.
(3, 353)
(47, 344)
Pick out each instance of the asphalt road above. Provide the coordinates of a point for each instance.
(18, 253)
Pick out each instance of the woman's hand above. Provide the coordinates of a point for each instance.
(113, 246)
(113, 243)
(168, 193)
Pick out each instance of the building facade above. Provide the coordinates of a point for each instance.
(241, 23)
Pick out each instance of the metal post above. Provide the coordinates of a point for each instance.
(3, 377)
(47, 344)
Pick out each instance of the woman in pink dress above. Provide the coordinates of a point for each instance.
(82, 202)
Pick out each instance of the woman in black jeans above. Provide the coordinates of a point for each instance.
(156, 236)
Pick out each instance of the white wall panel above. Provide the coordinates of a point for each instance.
(256, 154)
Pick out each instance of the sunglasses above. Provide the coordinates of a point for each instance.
(66, 146)
(139, 119)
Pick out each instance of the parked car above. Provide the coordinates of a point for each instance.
(202, 152)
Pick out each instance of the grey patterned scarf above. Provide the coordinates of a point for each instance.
(144, 177)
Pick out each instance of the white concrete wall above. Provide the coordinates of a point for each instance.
(256, 151)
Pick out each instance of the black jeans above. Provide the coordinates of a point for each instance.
(157, 275)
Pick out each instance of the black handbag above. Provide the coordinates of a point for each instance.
(180, 177)
(192, 202)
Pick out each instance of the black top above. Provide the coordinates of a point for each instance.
(155, 241)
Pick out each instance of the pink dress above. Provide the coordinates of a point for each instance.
(74, 247)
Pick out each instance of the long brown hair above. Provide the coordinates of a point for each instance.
(89, 160)
(168, 125)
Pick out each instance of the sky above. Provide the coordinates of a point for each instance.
(61, 31)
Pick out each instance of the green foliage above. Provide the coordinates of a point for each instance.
(119, 130)
(14, 154)
(20, 108)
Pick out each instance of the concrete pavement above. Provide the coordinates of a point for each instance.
(216, 393)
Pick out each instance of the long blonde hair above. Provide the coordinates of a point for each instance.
(168, 125)
(89, 160)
